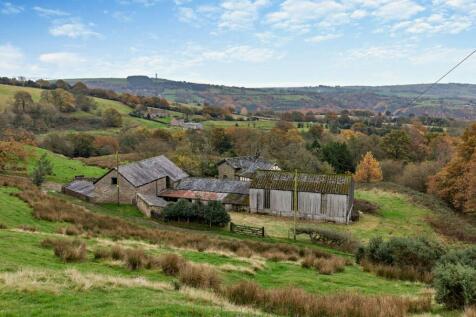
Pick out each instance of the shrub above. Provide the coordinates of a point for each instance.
(415, 175)
(391, 169)
(455, 278)
(171, 263)
(213, 213)
(394, 272)
(404, 252)
(329, 266)
(66, 250)
(245, 293)
(117, 253)
(27, 228)
(455, 285)
(330, 237)
(365, 206)
(136, 259)
(199, 276)
(102, 253)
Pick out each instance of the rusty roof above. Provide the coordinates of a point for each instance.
(328, 184)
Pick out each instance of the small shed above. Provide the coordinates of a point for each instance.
(243, 167)
(80, 188)
(320, 197)
(150, 204)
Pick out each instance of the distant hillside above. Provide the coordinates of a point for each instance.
(443, 100)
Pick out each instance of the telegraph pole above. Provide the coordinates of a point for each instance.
(295, 200)
(117, 177)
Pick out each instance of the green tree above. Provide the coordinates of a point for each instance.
(112, 118)
(396, 144)
(337, 154)
(42, 169)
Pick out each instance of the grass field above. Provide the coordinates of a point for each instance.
(64, 168)
(34, 282)
(260, 124)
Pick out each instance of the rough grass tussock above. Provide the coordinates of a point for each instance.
(199, 276)
(66, 250)
(296, 302)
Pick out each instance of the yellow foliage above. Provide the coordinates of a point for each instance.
(368, 170)
(347, 133)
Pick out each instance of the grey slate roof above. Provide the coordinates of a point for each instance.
(327, 184)
(214, 185)
(145, 171)
(153, 200)
(82, 187)
(249, 164)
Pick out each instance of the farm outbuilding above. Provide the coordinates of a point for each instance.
(319, 197)
(243, 167)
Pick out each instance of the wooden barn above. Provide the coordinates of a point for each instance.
(319, 197)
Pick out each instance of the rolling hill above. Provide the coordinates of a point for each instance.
(443, 100)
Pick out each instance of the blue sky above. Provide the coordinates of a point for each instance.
(241, 42)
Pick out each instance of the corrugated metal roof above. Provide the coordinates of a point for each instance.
(249, 164)
(214, 185)
(191, 194)
(82, 187)
(329, 184)
(148, 170)
(153, 200)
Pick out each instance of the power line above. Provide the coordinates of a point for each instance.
(441, 78)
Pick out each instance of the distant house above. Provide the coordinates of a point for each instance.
(243, 167)
(186, 125)
(152, 113)
(231, 193)
(320, 197)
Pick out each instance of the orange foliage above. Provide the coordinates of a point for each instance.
(12, 155)
(456, 182)
(368, 170)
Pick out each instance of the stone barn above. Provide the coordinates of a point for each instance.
(243, 167)
(147, 177)
(319, 197)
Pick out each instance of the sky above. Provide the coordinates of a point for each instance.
(251, 43)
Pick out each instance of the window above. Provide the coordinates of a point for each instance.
(267, 199)
(113, 180)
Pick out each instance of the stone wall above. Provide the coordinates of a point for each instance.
(225, 171)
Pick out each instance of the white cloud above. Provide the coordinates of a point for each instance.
(321, 38)
(145, 3)
(61, 58)
(122, 16)
(378, 52)
(73, 29)
(435, 23)
(49, 12)
(240, 53)
(398, 10)
(10, 8)
(240, 14)
(188, 15)
(11, 58)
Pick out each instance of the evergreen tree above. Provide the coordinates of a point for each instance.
(43, 169)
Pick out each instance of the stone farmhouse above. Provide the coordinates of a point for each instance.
(243, 167)
(319, 197)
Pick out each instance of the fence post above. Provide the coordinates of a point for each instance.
(262, 232)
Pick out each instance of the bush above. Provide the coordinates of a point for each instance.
(171, 263)
(68, 251)
(365, 206)
(199, 276)
(455, 285)
(415, 175)
(136, 259)
(419, 253)
(213, 213)
(118, 253)
(102, 253)
(455, 278)
(391, 169)
(330, 237)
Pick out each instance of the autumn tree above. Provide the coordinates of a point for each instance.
(456, 182)
(396, 144)
(12, 155)
(112, 118)
(368, 170)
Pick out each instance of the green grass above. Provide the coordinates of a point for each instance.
(68, 300)
(398, 217)
(64, 168)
